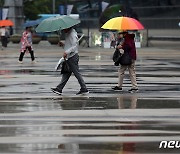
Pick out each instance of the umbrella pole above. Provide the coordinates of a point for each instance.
(59, 34)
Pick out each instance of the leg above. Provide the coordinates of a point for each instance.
(31, 53)
(21, 56)
(120, 100)
(65, 78)
(132, 75)
(133, 101)
(2, 42)
(5, 41)
(121, 75)
(73, 63)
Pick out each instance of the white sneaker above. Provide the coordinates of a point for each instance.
(20, 62)
(33, 62)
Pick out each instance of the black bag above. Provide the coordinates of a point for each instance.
(65, 68)
(125, 59)
(116, 57)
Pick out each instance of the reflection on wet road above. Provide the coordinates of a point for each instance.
(34, 120)
(82, 125)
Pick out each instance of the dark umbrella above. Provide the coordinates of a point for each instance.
(116, 10)
(31, 23)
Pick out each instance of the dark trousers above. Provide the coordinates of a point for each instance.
(30, 51)
(73, 64)
(4, 41)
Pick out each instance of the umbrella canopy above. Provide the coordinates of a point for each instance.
(6, 23)
(123, 23)
(31, 23)
(56, 23)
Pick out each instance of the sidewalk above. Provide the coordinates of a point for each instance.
(154, 67)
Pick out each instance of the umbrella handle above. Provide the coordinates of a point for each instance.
(59, 32)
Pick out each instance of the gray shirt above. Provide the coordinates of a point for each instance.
(71, 43)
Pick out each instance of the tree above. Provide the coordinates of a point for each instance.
(1, 3)
(33, 8)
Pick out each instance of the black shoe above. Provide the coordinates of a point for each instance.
(133, 90)
(117, 88)
(82, 92)
(57, 91)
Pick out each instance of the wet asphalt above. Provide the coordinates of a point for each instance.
(35, 120)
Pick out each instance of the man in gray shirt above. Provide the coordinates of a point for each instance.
(71, 54)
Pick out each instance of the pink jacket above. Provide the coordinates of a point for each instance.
(26, 40)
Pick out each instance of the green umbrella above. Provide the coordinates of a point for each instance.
(57, 23)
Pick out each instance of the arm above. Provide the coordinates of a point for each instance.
(74, 43)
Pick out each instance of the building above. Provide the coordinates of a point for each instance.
(154, 14)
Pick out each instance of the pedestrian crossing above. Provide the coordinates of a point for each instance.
(68, 125)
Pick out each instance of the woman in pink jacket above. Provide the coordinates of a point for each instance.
(26, 44)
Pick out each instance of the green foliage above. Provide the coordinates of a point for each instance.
(33, 8)
(1, 3)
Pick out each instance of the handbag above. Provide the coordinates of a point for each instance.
(65, 68)
(116, 57)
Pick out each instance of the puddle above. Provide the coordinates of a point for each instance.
(86, 103)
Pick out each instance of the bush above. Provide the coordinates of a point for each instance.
(53, 39)
(36, 39)
(16, 38)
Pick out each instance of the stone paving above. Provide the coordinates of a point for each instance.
(35, 120)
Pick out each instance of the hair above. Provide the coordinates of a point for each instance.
(27, 28)
(123, 32)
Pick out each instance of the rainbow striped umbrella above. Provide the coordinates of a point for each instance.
(123, 23)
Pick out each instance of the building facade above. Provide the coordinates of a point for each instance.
(154, 14)
(15, 13)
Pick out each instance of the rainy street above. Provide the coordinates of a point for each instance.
(35, 120)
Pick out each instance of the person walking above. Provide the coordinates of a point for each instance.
(113, 40)
(26, 44)
(10, 30)
(71, 54)
(4, 37)
(127, 45)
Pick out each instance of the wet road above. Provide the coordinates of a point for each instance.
(34, 120)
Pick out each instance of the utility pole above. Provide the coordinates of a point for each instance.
(66, 3)
(100, 7)
(53, 6)
(127, 7)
